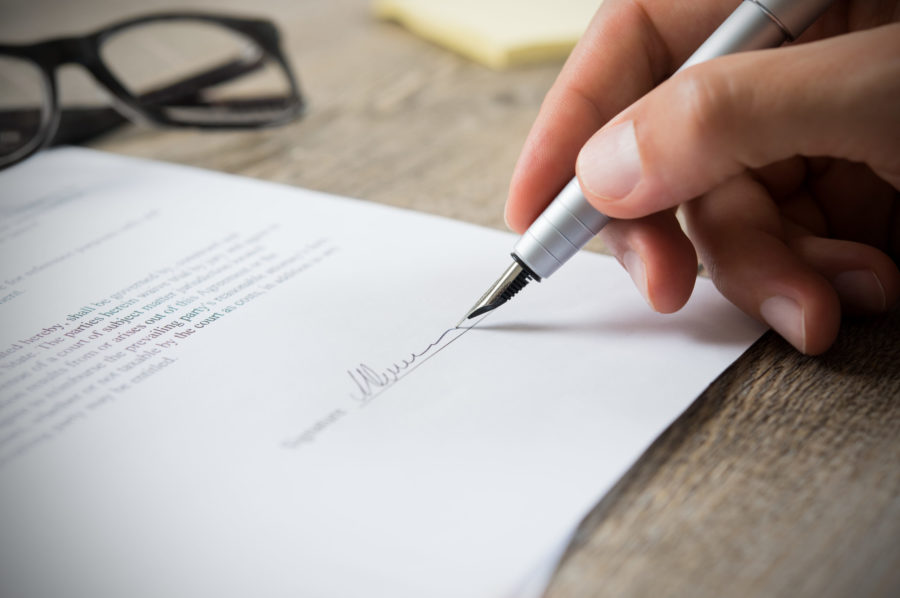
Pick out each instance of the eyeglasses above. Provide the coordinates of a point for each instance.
(173, 69)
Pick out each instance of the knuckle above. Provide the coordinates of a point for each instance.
(706, 98)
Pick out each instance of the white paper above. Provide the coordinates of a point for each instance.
(198, 394)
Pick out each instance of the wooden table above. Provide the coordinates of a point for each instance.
(783, 478)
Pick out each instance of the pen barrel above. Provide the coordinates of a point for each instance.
(758, 24)
(749, 27)
(794, 16)
(559, 232)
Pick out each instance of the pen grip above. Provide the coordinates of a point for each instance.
(559, 232)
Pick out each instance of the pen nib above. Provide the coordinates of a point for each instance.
(510, 282)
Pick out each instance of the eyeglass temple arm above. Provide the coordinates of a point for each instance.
(80, 124)
(191, 87)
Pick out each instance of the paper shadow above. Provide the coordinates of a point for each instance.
(713, 324)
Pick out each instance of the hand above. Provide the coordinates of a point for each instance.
(785, 163)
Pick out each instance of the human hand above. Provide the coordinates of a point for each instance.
(784, 162)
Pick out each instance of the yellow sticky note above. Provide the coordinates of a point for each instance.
(497, 33)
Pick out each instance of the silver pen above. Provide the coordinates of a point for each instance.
(569, 222)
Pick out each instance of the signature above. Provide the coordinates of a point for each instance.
(370, 382)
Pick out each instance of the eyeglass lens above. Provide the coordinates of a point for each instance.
(24, 105)
(239, 80)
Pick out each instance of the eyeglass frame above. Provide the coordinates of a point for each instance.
(84, 50)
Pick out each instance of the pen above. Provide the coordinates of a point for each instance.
(570, 221)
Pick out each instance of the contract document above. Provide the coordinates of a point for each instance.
(214, 386)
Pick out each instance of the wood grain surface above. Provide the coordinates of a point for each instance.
(782, 479)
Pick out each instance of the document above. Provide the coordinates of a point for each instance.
(214, 386)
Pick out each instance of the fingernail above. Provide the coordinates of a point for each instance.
(634, 265)
(785, 316)
(609, 165)
(860, 289)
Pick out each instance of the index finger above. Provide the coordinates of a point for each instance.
(629, 47)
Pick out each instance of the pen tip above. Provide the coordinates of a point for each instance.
(478, 311)
(510, 282)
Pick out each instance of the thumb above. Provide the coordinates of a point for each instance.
(838, 97)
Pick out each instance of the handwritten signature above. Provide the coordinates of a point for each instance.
(370, 382)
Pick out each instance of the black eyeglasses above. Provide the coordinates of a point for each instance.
(173, 69)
